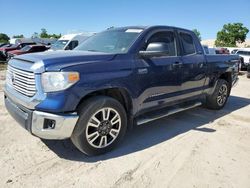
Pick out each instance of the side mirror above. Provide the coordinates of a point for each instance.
(155, 49)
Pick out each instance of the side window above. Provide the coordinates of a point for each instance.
(166, 37)
(187, 43)
(32, 49)
(73, 44)
(20, 46)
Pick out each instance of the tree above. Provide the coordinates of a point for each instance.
(35, 35)
(55, 36)
(4, 38)
(198, 34)
(231, 34)
(44, 33)
(18, 36)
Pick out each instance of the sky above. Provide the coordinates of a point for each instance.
(66, 16)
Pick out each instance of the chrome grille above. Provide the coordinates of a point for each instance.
(22, 81)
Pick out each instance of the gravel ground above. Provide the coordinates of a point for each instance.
(195, 148)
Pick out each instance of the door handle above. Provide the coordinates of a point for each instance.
(142, 71)
(177, 64)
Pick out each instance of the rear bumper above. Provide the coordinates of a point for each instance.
(42, 124)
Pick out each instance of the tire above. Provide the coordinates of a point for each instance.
(102, 124)
(240, 66)
(219, 97)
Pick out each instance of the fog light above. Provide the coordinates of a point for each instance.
(49, 124)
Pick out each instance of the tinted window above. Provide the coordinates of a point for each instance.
(187, 43)
(73, 44)
(37, 48)
(243, 52)
(166, 37)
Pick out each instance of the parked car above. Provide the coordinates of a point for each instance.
(222, 51)
(69, 42)
(6, 45)
(234, 51)
(115, 79)
(27, 49)
(244, 58)
(3, 44)
(5, 50)
(2, 56)
(208, 50)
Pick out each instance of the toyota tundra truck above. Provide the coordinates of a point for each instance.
(114, 80)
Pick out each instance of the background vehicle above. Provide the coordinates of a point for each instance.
(3, 44)
(248, 70)
(115, 79)
(234, 51)
(244, 58)
(27, 49)
(222, 51)
(69, 42)
(5, 50)
(208, 50)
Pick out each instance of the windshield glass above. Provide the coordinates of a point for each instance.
(111, 41)
(14, 45)
(59, 45)
(26, 48)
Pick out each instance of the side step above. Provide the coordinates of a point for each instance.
(154, 116)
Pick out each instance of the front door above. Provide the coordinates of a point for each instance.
(159, 78)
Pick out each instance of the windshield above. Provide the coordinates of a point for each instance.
(14, 45)
(111, 41)
(26, 48)
(59, 45)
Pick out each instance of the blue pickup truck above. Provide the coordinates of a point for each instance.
(114, 80)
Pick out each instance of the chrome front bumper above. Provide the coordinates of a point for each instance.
(39, 123)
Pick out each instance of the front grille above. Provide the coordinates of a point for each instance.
(22, 81)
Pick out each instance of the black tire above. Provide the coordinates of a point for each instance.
(87, 110)
(242, 68)
(212, 101)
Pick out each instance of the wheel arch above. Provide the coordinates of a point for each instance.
(120, 94)
(227, 76)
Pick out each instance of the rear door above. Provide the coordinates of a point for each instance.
(194, 65)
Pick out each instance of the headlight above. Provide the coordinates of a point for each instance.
(57, 81)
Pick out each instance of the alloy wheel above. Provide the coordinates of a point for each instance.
(103, 127)
(222, 96)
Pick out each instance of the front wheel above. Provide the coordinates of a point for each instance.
(101, 126)
(218, 98)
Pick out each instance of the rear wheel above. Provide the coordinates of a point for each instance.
(218, 98)
(101, 126)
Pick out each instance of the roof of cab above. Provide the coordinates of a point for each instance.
(148, 27)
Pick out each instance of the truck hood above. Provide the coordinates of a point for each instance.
(56, 60)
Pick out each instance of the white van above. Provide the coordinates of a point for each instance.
(69, 41)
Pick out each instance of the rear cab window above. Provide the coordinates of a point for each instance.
(188, 44)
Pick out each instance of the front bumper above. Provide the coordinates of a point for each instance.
(39, 123)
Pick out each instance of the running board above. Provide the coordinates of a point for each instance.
(151, 117)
